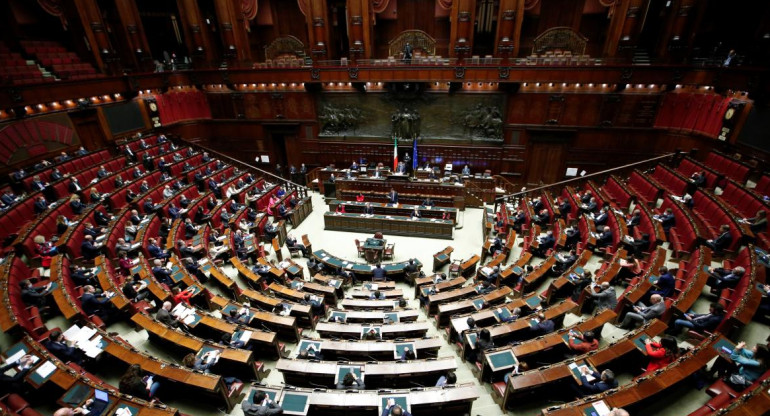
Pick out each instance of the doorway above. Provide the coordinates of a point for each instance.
(546, 157)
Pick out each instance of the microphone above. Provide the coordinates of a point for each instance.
(373, 360)
(289, 386)
(417, 384)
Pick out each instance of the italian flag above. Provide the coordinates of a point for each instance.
(395, 153)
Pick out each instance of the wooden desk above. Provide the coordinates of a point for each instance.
(539, 378)
(362, 270)
(233, 361)
(436, 299)
(390, 374)
(423, 284)
(385, 350)
(649, 385)
(449, 401)
(284, 326)
(401, 210)
(368, 304)
(389, 331)
(418, 227)
(389, 294)
(301, 312)
(404, 315)
(442, 258)
(445, 310)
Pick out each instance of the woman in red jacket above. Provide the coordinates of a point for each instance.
(661, 354)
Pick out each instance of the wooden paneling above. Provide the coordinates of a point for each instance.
(412, 14)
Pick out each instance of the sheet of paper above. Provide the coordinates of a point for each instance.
(601, 408)
(245, 336)
(71, 332)
(15, 357)
(45, 369)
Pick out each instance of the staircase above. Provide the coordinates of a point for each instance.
(641, 57)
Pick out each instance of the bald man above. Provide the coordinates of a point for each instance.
(643, 313)
(618, 412)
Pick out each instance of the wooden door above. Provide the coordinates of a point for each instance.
(546, 158)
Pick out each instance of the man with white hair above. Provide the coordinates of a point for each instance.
(605, 298)
(164, 315)
(643, 313)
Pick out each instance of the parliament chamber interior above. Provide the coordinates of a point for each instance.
(384, 207)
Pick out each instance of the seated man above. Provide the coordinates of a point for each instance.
(62, 349)
(602, 217)
(703, 322)
(545, 243)
(723, 240)
(351, 382)
(393, 409)
(90, 250)
(96, 304)
(162, 274)
(378, 273)
(543, 325)
(637, 247)
(600, 383)
(155, 251)
(542, 218)
(720, 278)
(642, 313)
(315, 305)
(665, 285)
(564, 262)
(260, 405)
(605, 239)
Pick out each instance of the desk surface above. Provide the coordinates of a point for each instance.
(360, 268)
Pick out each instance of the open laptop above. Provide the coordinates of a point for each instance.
(101, 402)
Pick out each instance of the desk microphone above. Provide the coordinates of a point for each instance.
(418, 384)
(372, 358)
(289, 386)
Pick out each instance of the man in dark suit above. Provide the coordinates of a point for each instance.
(74, 186)
(41, 205)
(95, 304)
(118, 181)
(8, 198)
(723, 240)
(378, 273)
(701, 322)
(600, 383)
(162, 274)
(102, 172)
(215, 189)
(88, 249)
(590, 206)
(368, 209)
(55, 175)
(667, 219)
(34, 296)
(565, 208)
(542, 218)
(37, 184)
(58, 346)
(665, 284)
(543, 325)
(137, 173)
(393, 196)
(149, 206)
(155, 251)
(135, 218)
(633, 220)
(130, 155)
(189, 228)
(545, 243)
(164, 315)
(720, 278)
(605, 238)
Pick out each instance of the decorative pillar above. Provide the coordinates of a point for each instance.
(463, 16)
(317, 28)
(676, 37)
(193, 26)
(134, 32)
(509, 20)
(95, 31)
(233, 30)
(623, 25)
(360, 28)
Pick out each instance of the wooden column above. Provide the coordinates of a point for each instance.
(134, 33)
(231, 26)
(676, 36)
(94, 29)
(509, 20)
(360, 28)
(198, 42)
(463, 16)
(623, 19)
(318, 29)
